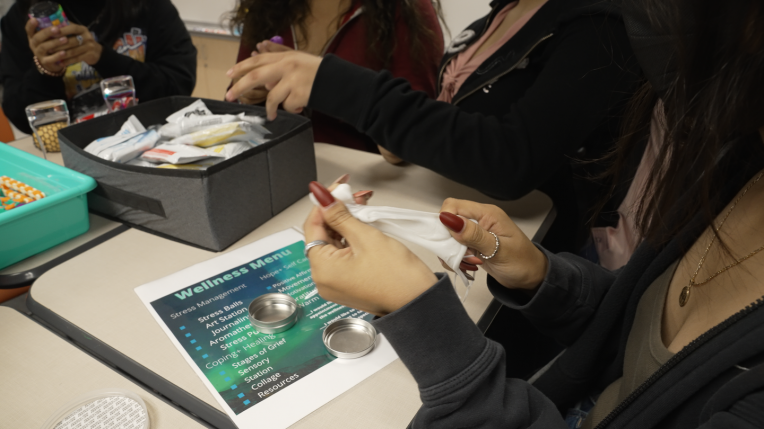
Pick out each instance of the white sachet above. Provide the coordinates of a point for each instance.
(421, 228)
(131, 148)
(196, 123)
(129, 129)
(227, 150)
(137, 162)
(197, 108)
(222, 133)
(176, 154)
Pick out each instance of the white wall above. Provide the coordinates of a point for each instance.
(461, 13)
(458, 13)
(204, 11)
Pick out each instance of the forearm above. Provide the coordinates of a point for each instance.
(507, 156)
(564, 302)
(430, 133)
(459, 372)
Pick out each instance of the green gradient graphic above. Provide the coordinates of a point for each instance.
(244, 365)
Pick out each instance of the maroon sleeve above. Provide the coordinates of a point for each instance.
(244, 52)
(421, 73)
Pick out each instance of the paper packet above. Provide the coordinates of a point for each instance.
(223, 133)
(198, 123)
(197, 108)
(138, 162)
(229, 150)
(131, 127)
(199, 165)
(131, 148)
(177, 154)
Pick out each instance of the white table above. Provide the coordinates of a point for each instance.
(25, 272)
(91, 297)
(41, 372)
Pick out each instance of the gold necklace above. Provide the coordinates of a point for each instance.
(684, 295)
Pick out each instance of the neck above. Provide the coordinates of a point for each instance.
(329, 7)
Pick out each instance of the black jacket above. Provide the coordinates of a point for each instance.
(717, 381)
(553, 93)
(169, 67)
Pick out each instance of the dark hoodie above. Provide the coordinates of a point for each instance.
(717, 381)
(553, 94)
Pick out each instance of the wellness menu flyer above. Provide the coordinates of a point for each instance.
(267, 380)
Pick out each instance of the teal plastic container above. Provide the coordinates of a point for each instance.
(40, 225)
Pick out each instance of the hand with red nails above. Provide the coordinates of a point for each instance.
(288, 77)
(369, 271)
(518, 263)
(58, 47)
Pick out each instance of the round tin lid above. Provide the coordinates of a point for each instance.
(273, 312)
(350, 338)
(112, 408)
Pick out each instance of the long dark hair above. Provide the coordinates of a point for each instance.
(262, 19)
(709, 74)
(114, 19)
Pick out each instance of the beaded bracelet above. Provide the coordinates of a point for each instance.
(45, 71)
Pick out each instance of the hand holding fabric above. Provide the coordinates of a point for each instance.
(367, 270)
(517, 264)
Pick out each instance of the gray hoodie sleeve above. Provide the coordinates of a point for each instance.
(564, 303)
(460, 373)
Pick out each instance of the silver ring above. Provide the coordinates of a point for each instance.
(494, 250)
(80, 39)
(313, 244)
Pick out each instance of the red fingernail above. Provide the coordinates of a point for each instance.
(343, 179)
(474, 260)
(467, 267)
(323, 195)
(452, 221)
(364, 194)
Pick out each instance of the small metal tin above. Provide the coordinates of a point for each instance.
(350, 338)
(273, 313)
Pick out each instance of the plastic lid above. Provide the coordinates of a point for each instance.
(111, 408)
(43, 9)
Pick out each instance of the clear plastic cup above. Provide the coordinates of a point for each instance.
(45, 119)
(119, 92)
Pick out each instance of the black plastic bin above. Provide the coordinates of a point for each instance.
(211, 208)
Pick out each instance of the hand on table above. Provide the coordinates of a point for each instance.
(518, 263)
(58, 47)
(367, 270)
(288, 76)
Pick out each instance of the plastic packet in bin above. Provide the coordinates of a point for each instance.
(176, 154)
(224, 133)
(188, 125)
(131, 148)
(129, 128)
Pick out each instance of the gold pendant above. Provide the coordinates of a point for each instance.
(684, 297)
